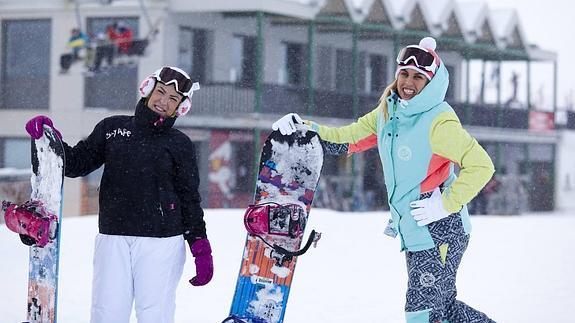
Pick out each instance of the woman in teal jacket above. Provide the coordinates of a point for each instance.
(420, 139)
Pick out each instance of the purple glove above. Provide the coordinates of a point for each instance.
(204, 264)
(35, 126)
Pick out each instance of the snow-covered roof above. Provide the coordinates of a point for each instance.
(398, 6)
(476, 22)
(507, 28)
(409, 14)
(473, 15)
(436, 10)
(537, 54)
(339, 8)
(312, 3)
(362, 7)
(380, 11)
(302, 9)
(396, 10)
(444, 17)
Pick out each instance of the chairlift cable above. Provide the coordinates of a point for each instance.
(146, 16)
(78, 16)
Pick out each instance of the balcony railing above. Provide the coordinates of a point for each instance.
(279, 99)
(224, 99)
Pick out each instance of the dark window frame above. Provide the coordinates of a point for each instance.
(197, 68)
(295, 63)
(247, 73)
(29, 86)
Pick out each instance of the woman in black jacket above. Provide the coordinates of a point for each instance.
(149, 202)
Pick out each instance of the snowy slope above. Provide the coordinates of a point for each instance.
(517, 269)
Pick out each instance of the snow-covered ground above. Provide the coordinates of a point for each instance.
(516, 269)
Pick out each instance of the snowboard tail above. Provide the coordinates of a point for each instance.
(288, 175)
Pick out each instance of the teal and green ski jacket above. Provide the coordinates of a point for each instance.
(419, 144)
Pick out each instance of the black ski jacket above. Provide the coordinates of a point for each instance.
(150, 182)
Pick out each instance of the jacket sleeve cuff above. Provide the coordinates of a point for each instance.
(314, 126)
(449, 205)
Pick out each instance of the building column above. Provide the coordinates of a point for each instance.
(354, 70)
(310, 107)
(528, 84)
(260, 16)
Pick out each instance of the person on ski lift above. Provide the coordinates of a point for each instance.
(123, 38)
(77, 41)
(420, 139)
(149, 202)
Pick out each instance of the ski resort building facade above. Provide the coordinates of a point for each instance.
(259, 59)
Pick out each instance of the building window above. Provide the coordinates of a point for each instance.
(450, 95)
(294, 63)
(343, 74)
(192, 53)
(15, 153)
(243, 153)
(114, 84)
(25, 65)
(375, 74)
(324, 68)
(243, 71)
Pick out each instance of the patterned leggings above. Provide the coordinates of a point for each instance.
(431, 288)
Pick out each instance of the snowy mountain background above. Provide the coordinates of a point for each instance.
(516, 269)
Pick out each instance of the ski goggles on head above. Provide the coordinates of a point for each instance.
(418, 56)
(182, 82)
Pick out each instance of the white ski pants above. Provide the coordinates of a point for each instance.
(143, 270)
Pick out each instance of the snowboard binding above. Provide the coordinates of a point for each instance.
(276, 219)
(35, 225)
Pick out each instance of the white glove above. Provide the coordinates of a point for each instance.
(287, 124)
(429, 210)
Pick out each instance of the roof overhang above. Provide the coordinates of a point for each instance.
(293, 9)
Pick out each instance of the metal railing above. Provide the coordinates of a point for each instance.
(223, 99)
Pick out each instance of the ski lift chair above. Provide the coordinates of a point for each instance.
(138, 47)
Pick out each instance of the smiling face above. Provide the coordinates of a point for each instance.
(409, 83)
(164, 100)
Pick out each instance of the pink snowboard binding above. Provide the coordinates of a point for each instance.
(276, 219)
(32, 221)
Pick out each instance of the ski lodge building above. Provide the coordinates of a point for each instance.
(256, 60)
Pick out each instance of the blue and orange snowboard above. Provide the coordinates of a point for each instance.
(289, 171)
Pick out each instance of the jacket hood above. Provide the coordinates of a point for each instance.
(150, 120)
(431, 95)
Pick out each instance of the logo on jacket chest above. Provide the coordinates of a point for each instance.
(123, 132)
(404, 153)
